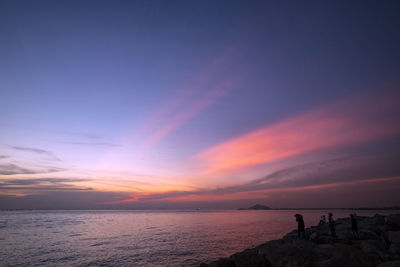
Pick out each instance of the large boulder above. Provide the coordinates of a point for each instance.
(313, 236)
(223, 262)
(345, 255)
(323, 252)
(389, 264)
(323, 229)
(394, 242)
(325, 239)
(394, 237)
(250, 258)
(293, 235)
(393, 221)
(294, 254)
(373, 224)
(368, 234)
(375, 250)
(394, 250)
(344, 234)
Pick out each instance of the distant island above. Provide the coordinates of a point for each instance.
(256, 207)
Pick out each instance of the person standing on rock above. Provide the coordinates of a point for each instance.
(300, 225)
(354, 226)
(322, 221)
(332, 225)
(383, 229)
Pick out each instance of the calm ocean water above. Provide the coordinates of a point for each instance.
(139, 238)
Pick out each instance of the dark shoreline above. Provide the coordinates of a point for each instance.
(356, 209)
(382, 208)
(378, 245)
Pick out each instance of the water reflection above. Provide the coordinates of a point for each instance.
(163, 238)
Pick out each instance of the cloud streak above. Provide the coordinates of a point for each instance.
(36, 151)
(92, 144)
(35, 181)
(363, 193)
(58, 199)
(345, 123)
(314, 182)
(84, 135)
(325, 174)
(12, 169)
(25, 186)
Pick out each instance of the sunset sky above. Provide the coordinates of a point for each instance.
(210, 104)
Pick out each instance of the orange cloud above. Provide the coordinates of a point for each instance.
(133, 198)
(266, 193)
(338, 184)
(349, 122)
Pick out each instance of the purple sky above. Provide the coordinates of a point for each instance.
(184, 104)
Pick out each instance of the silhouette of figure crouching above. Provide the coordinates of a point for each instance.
(300, 225)
(322, 221)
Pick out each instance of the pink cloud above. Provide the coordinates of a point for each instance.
(352, 121)
(133, 198)
(269, 193)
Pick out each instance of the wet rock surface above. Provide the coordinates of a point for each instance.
(378, 244)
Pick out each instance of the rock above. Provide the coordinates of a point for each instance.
(345, 255)
(323, 250)
(323, 229)
(394, 250)
(250, 258)
(291, 254)
(346, 235)
(314, 236)
(368, 234)
(270, 246)
(325, 239)
(394, 237)
(373, 224)
(224, 262)
(375, 250)
(393, 221)
(291, 236)
(389, 264)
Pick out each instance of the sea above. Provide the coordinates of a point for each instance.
(141, 238)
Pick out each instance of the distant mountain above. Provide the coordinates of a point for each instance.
(257, 207)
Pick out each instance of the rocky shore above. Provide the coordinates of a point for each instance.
(378, 245)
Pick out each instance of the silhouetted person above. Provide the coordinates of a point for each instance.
(383, 229)
(322, 220)
(300, 225)
(332, 225)
(354, 226)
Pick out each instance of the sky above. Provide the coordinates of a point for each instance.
(199, 104)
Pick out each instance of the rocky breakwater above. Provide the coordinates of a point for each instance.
(378, 244)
